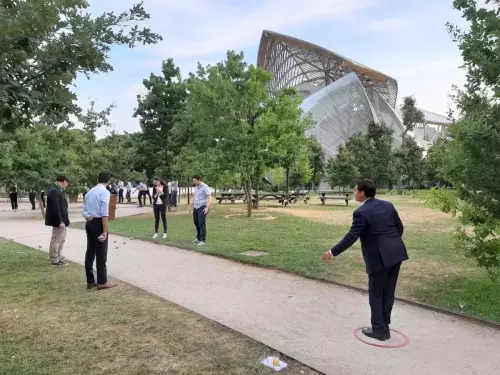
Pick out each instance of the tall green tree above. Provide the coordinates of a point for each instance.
(158, 110)
(435, 159)
(44, 45)
(412, 116)
(317, 161)
(343, 169)
(220, 116)
(409, 163)
(472, 162)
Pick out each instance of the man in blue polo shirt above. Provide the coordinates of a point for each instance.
(201, 205)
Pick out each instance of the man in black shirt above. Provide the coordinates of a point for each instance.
(56, 216)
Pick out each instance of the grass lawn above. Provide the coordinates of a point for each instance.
(296, 237)
(49, 324)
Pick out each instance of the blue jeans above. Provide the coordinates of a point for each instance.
(199, 218)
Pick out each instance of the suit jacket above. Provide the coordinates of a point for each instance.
(163, 196)
(57, 208)
(377, 224)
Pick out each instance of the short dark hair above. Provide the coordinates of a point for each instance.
(62, 178)
(368, 187)
(103, 178)
(197, 177)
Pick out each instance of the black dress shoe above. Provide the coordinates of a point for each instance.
(374, 335)
(388, 335)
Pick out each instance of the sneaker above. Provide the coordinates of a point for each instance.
(155, 235)
(164, 235)
(60, 263)
(62, 259)
(201, 243)
(195, 241)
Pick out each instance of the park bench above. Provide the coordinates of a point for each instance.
(270, 197)
(325, 197)
(233, 199)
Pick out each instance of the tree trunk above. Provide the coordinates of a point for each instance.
(257, 201)
(247, 185)
(189, 195)
(287, 174)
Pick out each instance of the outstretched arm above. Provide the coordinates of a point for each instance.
(357, 227)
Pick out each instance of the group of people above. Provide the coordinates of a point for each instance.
(14, 198)
(96, 213)
(375, 222)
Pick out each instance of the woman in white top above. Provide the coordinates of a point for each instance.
(160, 194)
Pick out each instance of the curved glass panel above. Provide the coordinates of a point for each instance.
(340, 110)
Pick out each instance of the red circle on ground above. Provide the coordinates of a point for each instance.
(406, 338)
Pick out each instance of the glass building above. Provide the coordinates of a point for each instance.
(342, 95)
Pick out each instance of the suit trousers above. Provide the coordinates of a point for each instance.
(381, 292)
(96, 250)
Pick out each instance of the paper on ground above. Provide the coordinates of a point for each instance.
(269, 363)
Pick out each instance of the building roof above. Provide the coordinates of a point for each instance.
(294, 62)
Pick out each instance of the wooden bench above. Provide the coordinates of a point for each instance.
(270, 197)
(344, 198)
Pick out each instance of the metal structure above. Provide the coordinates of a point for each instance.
(297, 63)
(342, 95)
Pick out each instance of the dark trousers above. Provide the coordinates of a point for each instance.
(96, 250)
(42, 196)
(149, 195)
(128, 196)
(160, 210)
(173, 199)
(381, 292)
(13, 200)
(142, 196)
(200, 223)
(32, 201)
(120, 196)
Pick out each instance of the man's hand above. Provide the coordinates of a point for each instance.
(102, 237)
(88, 218)
(61, 225)
(327, 256)
(205, 210)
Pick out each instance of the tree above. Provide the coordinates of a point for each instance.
(412, 116)
(472, 163)
(44, 45)
(435, 159)
(281, 132)
(409, 163)
(219, 118)
(343, 169)
(158, 111)
(317, 160)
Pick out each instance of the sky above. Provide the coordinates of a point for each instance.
(405, 39)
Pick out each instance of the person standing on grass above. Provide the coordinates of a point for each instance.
(96, 212)
(202, 202)
(377, 224)
(56, 216)
(160, 197)
(120, 191)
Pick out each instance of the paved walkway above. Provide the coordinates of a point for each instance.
(307, 320)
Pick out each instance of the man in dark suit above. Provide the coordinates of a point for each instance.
(377, 224)
(56, 216)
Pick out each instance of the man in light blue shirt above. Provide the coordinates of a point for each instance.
(201, 205)
(96, 212)
(129, 192)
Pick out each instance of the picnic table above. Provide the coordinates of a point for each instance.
(227, 196)
(334, 196)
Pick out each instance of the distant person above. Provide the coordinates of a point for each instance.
(14, 196)
(32, 198)
(142, 193)
(120, 191)
(56, 216)
(174, 187)
(148, 194)
(95, 212)
(129, 192)
(160, 205)
(201, 204)
(377, 224)
(42, 197)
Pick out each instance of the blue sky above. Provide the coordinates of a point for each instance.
(405, 39)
